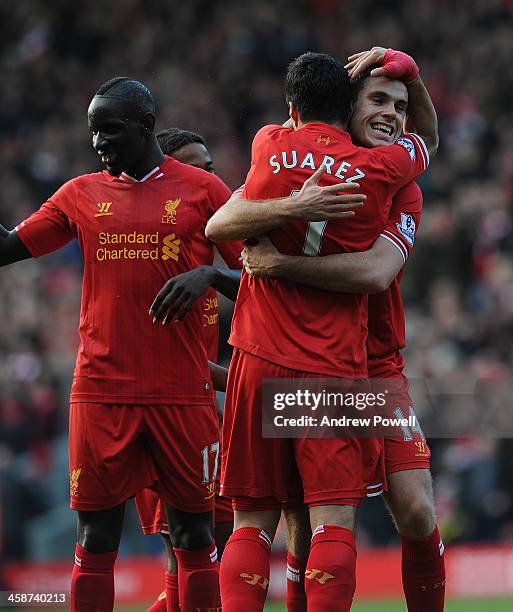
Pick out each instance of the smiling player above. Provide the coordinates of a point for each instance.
(135, 422)
(283, 329)
(378, 114)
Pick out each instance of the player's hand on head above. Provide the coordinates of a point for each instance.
(260, 258)
(399, 65)
(359, 62)
(179, 294)
(394, 64)
(316, 203)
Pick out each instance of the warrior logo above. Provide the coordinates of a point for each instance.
(319, 575)
(255, 580)
(104, 209)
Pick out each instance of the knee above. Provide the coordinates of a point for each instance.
(100, 531)
(416, 517)
(96, 539)
(191, 537)
(339, 515)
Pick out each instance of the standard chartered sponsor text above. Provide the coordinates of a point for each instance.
(134, 246)
(134, 237)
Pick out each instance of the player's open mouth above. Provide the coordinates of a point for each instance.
(382, 128)
(108, 158)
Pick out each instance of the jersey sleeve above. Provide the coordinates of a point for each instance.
(403, 161)
(230, 251)
(50, 227)
(404, 219)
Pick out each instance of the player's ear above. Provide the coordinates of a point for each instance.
(294, 115)
(148, 123)
(350, 115)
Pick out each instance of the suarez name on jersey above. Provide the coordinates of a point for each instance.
(291, 324)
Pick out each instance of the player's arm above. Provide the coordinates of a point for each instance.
(179, 294)
(421, 115)
(219, 376)
(370, 271)
(239, 219)
(227, 282)
(12, 248)
(47, 229)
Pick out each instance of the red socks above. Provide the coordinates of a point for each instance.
(198, 579)
(424, 573)
(245, 569)
(160, 605)
(296, 596)
(172, 601)
(167, 601)
(92, 581)
(330, 579)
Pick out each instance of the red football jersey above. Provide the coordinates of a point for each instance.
(135, 235)
(386, 323)
(297, 326)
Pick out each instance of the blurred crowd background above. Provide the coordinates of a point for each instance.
(217, 68)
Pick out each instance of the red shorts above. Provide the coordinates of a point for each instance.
(117, 450)
(410, 452)
(152, 512)
(153, 516)
(319, 471)
(224, 510)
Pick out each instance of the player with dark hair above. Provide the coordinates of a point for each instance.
(142, 410)
(377, 271)
(142, 407)
(317, 87)
(187, 147)
(283, 329)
